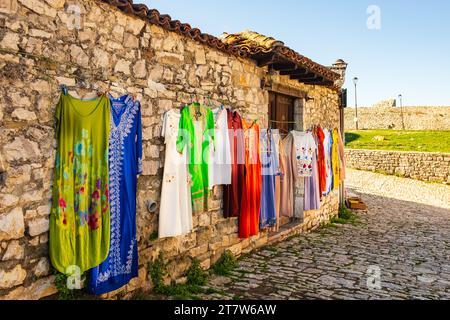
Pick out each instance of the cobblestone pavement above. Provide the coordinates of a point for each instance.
(406, 243)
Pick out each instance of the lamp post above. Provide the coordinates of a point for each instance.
(400, 97)
(355, 81)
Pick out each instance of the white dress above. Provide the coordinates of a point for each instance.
(175, 217)
(220, 172)
(305, 148)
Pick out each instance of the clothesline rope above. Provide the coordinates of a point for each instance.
(287, 122)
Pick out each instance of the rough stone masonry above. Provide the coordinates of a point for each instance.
(91, 46)
(429, 167)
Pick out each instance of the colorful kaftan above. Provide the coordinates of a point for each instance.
(342, 157)
(80, 214)
(335, 160)
(220, 170)
(322, 168)
(251, 200)
(328, 146)
(197, 134)
(125, 164)
(175, 214)
(232, 194)
(269, 168)
(305, 147)
(288, 176)
(312, 185)
(277, 140)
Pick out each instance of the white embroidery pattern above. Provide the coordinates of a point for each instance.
(116, 153)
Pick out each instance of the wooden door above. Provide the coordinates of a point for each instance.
(281, 112)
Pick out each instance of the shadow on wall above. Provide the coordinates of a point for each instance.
(350, 137)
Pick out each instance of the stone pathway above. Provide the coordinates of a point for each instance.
(399, 249)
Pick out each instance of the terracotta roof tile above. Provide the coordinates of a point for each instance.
(255, 44)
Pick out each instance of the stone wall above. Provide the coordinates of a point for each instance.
(40, 49)
(415, 118)
(430, 167)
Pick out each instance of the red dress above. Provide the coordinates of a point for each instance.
(251, 199)
(233, 193)
(321, 161)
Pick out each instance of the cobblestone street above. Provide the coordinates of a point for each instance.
(404, 238)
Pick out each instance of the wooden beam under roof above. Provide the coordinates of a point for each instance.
(296, 72)
(307, 76)
(265, 60)
(284, 66)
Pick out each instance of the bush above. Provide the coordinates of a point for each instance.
(157, 271)
(225, 265)
(195, 274)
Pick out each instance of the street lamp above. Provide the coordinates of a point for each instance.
(355, 81)
(400, 97)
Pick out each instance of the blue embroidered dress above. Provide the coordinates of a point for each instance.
(270, 169)
(125, 164)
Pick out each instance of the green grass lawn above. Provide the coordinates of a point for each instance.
(421, 141)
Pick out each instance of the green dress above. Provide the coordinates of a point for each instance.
(80, 215)
(196, 132)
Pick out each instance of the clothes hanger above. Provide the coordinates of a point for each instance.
(198, 112)
(64, 89)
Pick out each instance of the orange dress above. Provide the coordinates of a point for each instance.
(251, 199)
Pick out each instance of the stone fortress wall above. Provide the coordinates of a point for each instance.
(386, 115)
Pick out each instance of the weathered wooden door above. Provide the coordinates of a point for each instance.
(281, 112)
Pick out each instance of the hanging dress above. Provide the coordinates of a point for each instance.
(80, 213)
(175, 216)
(336, 160)
(269, 170)
(305, 148)
(251, 199)
(322, 168)
(328, 146)
(277, 140)
(343, 161)
(125, 165)
(220, 171)
(232, 194)
(197, 134)
(288, 176)
(312, 185)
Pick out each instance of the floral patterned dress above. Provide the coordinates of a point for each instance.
(125, 164)
(80, 214)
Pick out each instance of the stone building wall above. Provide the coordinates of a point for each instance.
(43, 45)
(415, 118)
(430, 167)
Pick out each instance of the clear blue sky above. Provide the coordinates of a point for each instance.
(410, 54)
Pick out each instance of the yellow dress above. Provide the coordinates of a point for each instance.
(336, 160)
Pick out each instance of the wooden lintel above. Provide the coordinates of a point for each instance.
(323, 82)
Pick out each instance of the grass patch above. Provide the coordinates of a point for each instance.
(226, 264)
(394, 140)
(196, 278)
(64, 293)
(345, 216)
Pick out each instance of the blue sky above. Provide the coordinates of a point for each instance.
(410, 54)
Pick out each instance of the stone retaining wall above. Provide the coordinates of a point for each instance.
(430, 167)
(40, 49)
